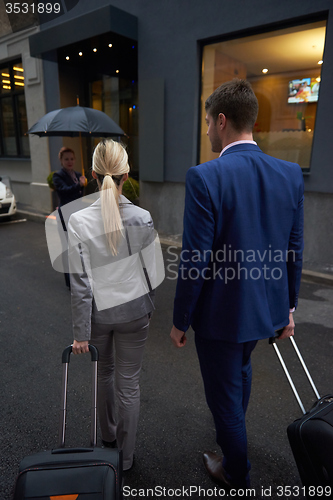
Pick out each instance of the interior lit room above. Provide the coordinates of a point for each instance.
(284, 68)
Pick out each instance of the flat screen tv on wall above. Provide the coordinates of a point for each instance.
(303, 90)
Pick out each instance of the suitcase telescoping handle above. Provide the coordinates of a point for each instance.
(62, 427)
(272, 341)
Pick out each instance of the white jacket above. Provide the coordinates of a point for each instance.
(105, 288)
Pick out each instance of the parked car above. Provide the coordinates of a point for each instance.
(7, 198)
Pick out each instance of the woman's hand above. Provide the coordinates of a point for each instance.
(83, 180)
(80, 347)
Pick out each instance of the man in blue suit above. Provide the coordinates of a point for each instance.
(240, 266)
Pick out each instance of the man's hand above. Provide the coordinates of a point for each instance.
(288, 330)
(80, 347)
(178, 337)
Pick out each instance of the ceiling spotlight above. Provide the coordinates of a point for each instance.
(95, 50)
(80, 54)
(265, 70)
(67, 58)
(117, 70)
(110, 45)
(320, 62)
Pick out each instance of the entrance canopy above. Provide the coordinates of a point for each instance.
(104, 20)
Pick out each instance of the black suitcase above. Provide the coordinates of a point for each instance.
(311, 438)
(72, 473)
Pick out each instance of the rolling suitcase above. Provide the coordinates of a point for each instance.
(311, 437)
(72, 473)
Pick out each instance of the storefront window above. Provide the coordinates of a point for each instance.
(13, 114)
(284, 69)
(8, 129)
(117, 97)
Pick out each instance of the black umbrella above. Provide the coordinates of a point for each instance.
(76, 121)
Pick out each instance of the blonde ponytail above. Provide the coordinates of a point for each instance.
(110, 160)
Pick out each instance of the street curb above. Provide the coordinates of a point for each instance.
(170, 243)
(316, 277)
(32, 216)
(307, 275)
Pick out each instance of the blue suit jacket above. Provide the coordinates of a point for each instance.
(241, 261)
(66, 188)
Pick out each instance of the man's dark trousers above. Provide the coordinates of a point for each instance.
(227, 374)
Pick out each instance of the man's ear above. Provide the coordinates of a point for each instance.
(222, 120)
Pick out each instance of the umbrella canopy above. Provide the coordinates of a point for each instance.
(76, 121)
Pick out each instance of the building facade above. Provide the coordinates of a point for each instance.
(150, 66)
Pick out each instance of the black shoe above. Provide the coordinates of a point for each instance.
(108, 444)
(213, 464)
(214, 467)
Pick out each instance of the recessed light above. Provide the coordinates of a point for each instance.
(80, 54)
(318, 79)
(67, 58)
(110, 45)
(95, 50)
(265, 70)
(117, 70)
(320, 62)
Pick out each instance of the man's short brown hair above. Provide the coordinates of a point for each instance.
(237, 101)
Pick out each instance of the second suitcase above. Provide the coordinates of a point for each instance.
(311, 438)
(311, 441)
(72, 473)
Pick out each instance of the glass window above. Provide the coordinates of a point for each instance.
(8, 127)
(284, 69)
(5, 87)
(117, 97)
(13, 113)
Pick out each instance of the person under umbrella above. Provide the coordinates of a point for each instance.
(68, 183)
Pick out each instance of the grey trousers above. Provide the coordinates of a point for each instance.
(120, 358)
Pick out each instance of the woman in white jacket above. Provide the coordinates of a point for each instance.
(112, 298)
